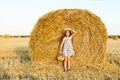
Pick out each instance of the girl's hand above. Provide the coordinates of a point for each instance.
(73, 54)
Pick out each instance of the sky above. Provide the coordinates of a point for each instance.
(18, 17)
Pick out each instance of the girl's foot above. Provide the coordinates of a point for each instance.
(68, 69)
(65, 70)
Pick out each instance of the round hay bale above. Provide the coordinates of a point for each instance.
(115, 37)
(89, 42)
(7, 36)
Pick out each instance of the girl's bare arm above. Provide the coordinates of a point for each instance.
(74, 32)
(61, 46)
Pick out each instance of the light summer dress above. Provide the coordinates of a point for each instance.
(67, 47)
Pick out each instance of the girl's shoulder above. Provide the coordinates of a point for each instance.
(64, 38)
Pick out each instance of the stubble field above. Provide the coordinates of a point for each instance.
(15, 52)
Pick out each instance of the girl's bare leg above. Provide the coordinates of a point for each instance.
(68, 62)
(65, 63)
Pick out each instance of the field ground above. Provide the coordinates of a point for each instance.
(14, 51)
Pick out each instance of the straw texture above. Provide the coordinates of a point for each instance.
(89, 43)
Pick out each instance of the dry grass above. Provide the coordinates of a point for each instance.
(12, 67)
(10, 50)
(114, 51)
(23, 52)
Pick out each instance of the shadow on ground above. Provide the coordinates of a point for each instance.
(24, 54)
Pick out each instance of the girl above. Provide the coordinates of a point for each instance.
(66, 48)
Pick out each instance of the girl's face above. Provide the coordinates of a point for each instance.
(67, 33)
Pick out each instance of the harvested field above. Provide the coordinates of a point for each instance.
(11, 66)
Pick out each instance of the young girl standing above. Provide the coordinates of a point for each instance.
(66, 48)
